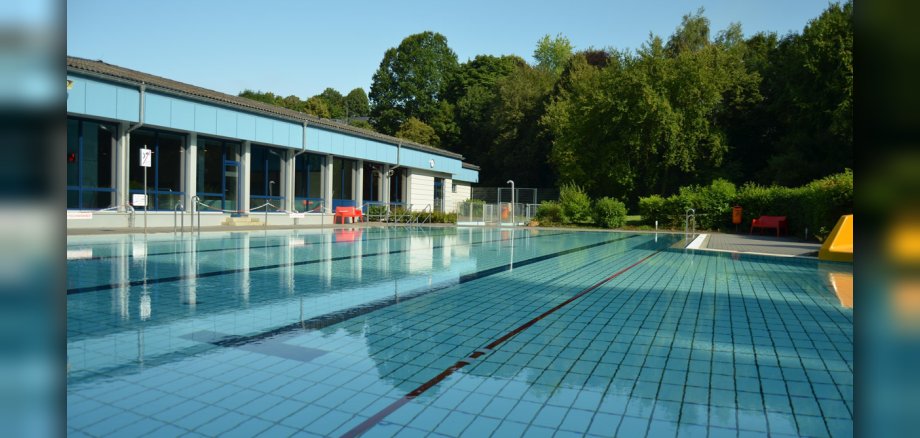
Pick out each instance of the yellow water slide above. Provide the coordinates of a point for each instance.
(838, 247)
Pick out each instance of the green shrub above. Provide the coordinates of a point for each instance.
(439, 217)
(609, 213)
(549, 212)
(652, 209)
(576, 205)
(376, 211)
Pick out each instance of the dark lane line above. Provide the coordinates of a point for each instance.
(102, 287)
(322, 321)
(237, 248)
(392, 407)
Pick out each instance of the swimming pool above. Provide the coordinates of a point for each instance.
(450, 331)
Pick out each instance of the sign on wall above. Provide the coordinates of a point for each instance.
(139, 200)
(146, 157)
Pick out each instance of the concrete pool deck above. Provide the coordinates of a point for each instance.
(761, 244)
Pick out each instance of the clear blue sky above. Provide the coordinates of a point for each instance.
(302, 47)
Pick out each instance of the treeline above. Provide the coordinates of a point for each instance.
(685, 110)
(329, 104)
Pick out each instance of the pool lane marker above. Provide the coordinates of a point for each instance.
(150, 281)
(383, 413)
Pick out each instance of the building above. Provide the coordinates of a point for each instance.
(232, 154)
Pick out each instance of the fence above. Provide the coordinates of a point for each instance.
(496, 195)
(498, 214)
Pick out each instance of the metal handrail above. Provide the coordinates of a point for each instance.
(196, 200)
(690, 218)
(179, 207)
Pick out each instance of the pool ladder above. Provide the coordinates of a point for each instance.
(689, 224)
(179, 210)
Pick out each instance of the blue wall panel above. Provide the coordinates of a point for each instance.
(101, 100)
(245, 126)
(280, 133)
(183, 115)
(128, 104)
(76, 96)
(206, 119)
(468, 175)
(263, 130)
(227, 123)
(295, 134)
(157, 109)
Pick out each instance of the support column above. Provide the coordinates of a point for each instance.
(385, 184)
(359, 183)
(327, 183)
(122, 164)
(191, 172)
(289, 169)
(407, 189)
(245, 168)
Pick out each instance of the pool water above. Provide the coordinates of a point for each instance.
(450, 332)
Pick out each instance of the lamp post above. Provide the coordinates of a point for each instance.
(512, 200)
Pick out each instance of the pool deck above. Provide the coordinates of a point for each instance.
(761, 244)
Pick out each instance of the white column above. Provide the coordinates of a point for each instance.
(359, 183)
(122, 164)
(290, 168)
(245, 168)
(191, 172)
(327, 183)
(385, 184)
(407, 189)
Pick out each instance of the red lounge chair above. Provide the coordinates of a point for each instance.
(347, 212)
(778, 222)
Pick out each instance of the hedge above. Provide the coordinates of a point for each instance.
(609, 213)
(815, 206)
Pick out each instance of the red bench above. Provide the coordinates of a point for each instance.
(347, 212)
(778, 222)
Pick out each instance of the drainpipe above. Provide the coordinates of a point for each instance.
(127, 148)
(293, 168)
(141, 123)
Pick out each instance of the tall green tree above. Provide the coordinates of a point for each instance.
(552, 53)
(646, 121)
(418, 131)
(411, 80)
(357, 103)
(335, 102)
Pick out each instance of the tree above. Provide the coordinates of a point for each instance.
(363, 124)
(334, 101)
(551, 54)
(357, 104)
(646, 121)
(317, 106)
(411, 80)
(416, 130)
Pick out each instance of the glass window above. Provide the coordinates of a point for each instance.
(164, 176)
(210, 158)
(90, 164)
(342, 179)
(396, 184)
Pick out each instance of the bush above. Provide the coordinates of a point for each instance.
(652, 209)
(439, 217)
(609, 213)
(549, 212)
(816, 206)
(471, 208)
(575, 203)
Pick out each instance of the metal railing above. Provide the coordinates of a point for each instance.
(179, 207)
(476, 213)
(689, 224)
(196, 201)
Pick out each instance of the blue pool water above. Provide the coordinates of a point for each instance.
(450, 332)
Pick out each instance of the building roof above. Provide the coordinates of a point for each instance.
(469, 166)
(120, 74)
